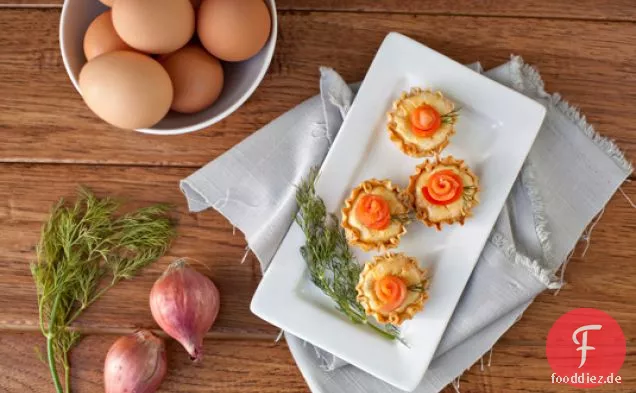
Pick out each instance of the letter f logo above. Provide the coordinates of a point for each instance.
(584, 347)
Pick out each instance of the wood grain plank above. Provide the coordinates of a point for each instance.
(26, 195)
(238, 366)
(624, 10)
(229, 366)
(524, 368)
(42, 118)
(621, 10)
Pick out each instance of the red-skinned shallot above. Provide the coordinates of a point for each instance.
(135, 363)
(185, 304)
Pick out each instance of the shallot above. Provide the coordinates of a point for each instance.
(185, 304)
(135, 363)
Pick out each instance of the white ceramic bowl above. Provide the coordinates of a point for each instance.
(241, 79)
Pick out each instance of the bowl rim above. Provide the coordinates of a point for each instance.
(270, 47)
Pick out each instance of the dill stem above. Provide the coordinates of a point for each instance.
(355, 317)
(67, 374)
(379, 330)
(90, 302)
(50, 351)
(41, 315)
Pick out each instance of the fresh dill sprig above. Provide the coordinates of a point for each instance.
(403, 218)
(332, 266)
(450, 117)
(469, 193)
(417, 288)
(84, 250)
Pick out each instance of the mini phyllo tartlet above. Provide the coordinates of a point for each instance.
(421, 122)
(392, 288)
(375, 215)
(443, 191)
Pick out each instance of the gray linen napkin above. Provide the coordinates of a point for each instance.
(569, 176)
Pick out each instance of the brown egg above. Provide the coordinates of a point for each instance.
(154, 26)
(101, 37)
(126, 89)
(108, 2)
(233, 30)
(197, 78)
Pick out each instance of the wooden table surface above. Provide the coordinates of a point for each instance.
(50, 142)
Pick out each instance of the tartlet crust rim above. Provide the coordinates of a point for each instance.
(353, 234)
(408, 148)
(394, 318)
(428, 166)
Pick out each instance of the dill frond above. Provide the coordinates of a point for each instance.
(331, 264)
(450, 117)
(84, 250)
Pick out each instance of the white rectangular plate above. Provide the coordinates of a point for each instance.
(495, 131)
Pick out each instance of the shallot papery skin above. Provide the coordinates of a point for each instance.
(135, 364)
(185, 304)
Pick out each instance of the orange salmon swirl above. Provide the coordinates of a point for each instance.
(373, 211)
(425, 120)
(443, 187)
(391, 292)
